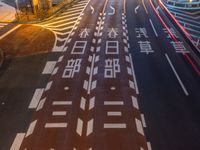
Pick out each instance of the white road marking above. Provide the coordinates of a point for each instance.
(36, 98)
(49, 67)
(113, 11)
(112, 47)
(55, 70)
(31, 128)
(90, 127)
(79, 128)
(92, 103)
(48, 86)
(149, 146)
(113, 103)
(83, 103)
(79, 47)
(139, 126)
(41, 104)
(59, 113)
(135, 102)
(17, 142)
(153, 27)
(10, 31)
(55, 125)
(131, 84)
(62, 103)
(133, 72)
(114, 125)
(136, 9)
(176, 74)
(143, 121)
(114, 113)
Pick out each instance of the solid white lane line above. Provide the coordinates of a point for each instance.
(114, 125)
(55, 125)
(133, 72)
(36, 98)
(114, 113)
(113, 103)
(31, 128)
(176, 74)
(49, 67)
(18, 141)
(143, 121)
(62, 103)
(153, 27)
(10, 31)
(79, 128)
(59, 113)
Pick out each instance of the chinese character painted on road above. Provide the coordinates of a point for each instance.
(145, 47)
(113, 33)
(179, 47)
(112, 67)
(79, 47)
(73, 66)
(172, 31)
(84, 33)
(141, 32)
(112, 47)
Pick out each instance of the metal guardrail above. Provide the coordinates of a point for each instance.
(183, 5)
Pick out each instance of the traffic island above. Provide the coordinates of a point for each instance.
(27, 40)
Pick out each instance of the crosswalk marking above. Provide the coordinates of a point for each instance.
(63, 24)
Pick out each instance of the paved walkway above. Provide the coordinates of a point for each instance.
(7, 13)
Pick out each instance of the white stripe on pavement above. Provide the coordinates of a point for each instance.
(56, 125)
(36, 98)
(153, 27)
(176, 74)
(18, 141)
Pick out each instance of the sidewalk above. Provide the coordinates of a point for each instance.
(7, 12)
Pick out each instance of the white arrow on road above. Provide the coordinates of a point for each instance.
(113, 11)
(92, 9)
(136, 9)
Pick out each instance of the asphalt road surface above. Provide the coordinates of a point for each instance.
(125, 79)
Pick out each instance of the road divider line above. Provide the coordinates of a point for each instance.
(90, 126)
(18, 141)
(133, 72)
(59, 113)
(153, 27)
(36, 98)
(139, 126)
(143, 121)
(50, 65)
(176, 74)
(62, 103)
